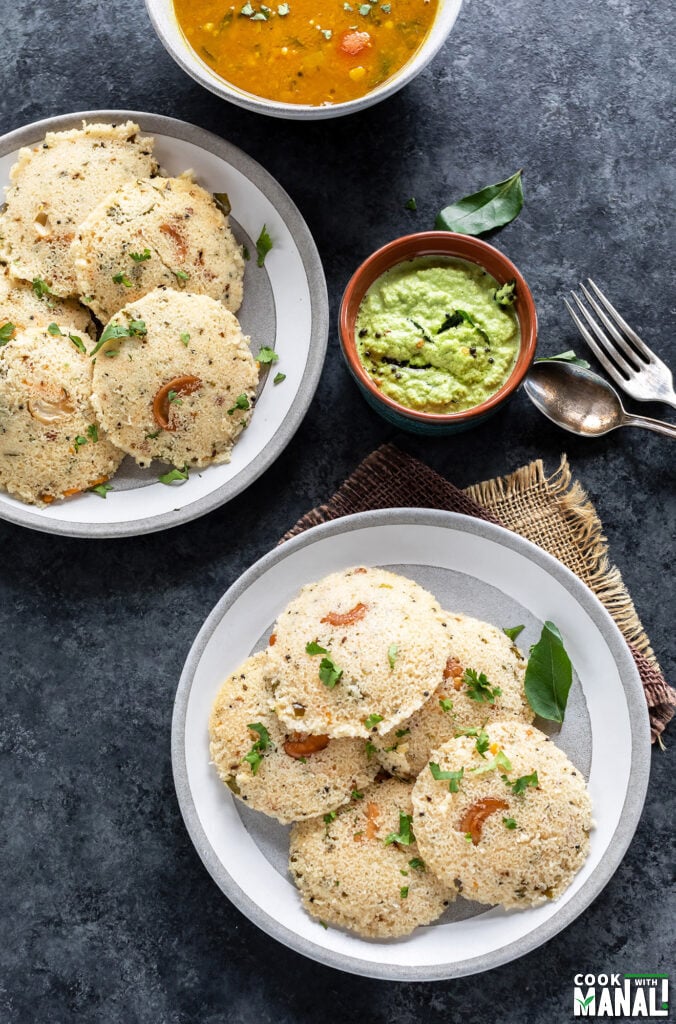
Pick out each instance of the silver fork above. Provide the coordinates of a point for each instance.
(635, 368)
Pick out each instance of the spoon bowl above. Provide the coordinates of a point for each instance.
(582, 402)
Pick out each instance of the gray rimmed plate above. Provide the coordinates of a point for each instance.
(285, 307)
(472, 567)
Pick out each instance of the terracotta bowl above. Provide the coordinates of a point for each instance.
(444, 244)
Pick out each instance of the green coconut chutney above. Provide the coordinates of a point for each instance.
(435, 337)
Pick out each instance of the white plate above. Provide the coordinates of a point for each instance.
(471, 567)
(285, 307)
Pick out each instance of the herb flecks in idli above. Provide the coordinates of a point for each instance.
(506, 824)
(360, 868)
(284, 773)
(483, 683)
(24, 305)
(51, 445)
(159, 398)
(54, 185)
(156, 232)
(358, 652)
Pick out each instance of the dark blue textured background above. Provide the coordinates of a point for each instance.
(106, 914)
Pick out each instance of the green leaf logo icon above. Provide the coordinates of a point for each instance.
(585, 1002)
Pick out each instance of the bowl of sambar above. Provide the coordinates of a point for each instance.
(303, 59)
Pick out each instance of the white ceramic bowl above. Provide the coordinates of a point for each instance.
(166, 25)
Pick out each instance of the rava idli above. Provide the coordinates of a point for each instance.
(22, 305)
(357, 653)
(503, 816)
(54, 185)
(158, 231)
(484, 678)
(51, 444)
(174, 379)
(360, 868)
(287, 774)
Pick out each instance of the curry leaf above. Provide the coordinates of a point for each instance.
(565, 357)
(491, 207)
(549, 675)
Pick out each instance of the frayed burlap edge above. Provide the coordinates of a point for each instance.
(515, 500)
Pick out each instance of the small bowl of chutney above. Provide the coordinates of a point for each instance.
(438, 330)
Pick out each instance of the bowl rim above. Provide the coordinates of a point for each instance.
(454, 246)
(161, 12)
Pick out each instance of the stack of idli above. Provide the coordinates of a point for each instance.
(118, 294)
(398, 740)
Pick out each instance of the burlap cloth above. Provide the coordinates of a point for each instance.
(554, 512)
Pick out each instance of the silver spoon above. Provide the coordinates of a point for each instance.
(582, 402)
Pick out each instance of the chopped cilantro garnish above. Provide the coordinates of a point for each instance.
(482, 742)
(174, 476)
(185, 338)
(331, 816)
(78, 442)
(324, 924)
(279, 377)
(329, 673)
(403, 872)
(263, 246)
(499, 761)
(505, 295)
(267, 355)
(122, 279)
(141, 257)
(403, 892)
(41, 288)
(78, 342)
(151, 437)
(135, 328)
(417, 864)
(254, 757)
(392, 652)
(468, 837)
(401, 732)
(6, 333)
(357, 794)
(172, 397)
(314, 648)
(241, 402)
(92, 433)
(479, 688)
(54, 329)
(245, 252)
(410, 204)
(453, 778)
(370, 750)
(521, 784)
(372, 721)
(509, 822)
(445, 704)
(111, 353)
(513, 631)
(101, 489)
(405, 834)
(181, 275)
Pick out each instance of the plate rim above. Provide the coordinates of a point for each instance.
(313, 268)
(638, 721)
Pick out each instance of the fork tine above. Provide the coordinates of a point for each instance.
(622, 323)
(596, 349)
(603, 340)
(632, 356)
